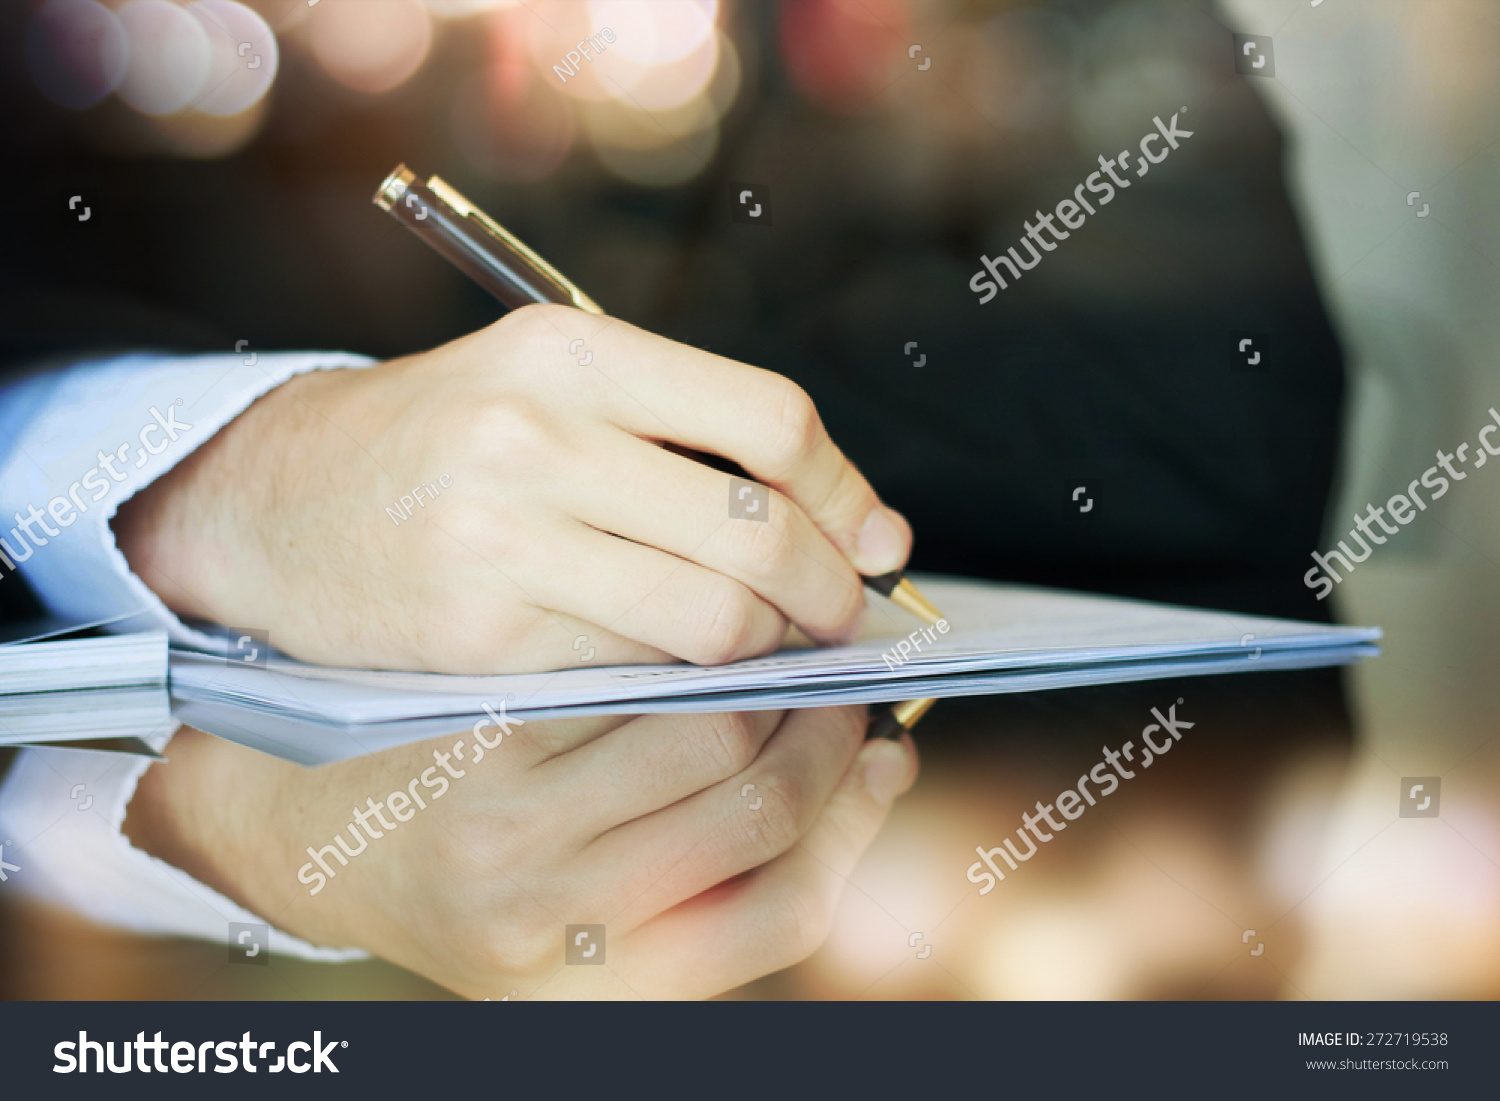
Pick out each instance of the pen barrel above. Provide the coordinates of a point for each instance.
(465, 244)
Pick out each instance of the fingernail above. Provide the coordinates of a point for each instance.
(885, 770)
(881, 546)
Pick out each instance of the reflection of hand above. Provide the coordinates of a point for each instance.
(564, 517)
(639, 826)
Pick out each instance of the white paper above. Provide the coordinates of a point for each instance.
(102, 661)
(1002, 638)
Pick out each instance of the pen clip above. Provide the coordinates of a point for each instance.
(461, 206)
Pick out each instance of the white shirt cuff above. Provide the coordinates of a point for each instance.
(61, 810)
(60, 817)
(86, 447)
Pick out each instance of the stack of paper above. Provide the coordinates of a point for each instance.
(1000, 639)
(64, 681)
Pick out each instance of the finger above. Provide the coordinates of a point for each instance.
(551, 748)
(778, 914)
(652, 763)
(511, 604)
(554, 640)
(685, 509)
(663, 390)
(740, 823)
(527, 743)
(669, 604)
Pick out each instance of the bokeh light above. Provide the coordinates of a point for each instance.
(672, 83)
(508, 121)
(653, 148)
(77, 51)
(648, 95)
(655, 32)
(200, 136)
(170, 57)
(370, 45)
(245, 57)
(284, 15)
(841, 53)
(555, 28)
(724, 86)
(651, 96)
(510, 125)
(462, 9)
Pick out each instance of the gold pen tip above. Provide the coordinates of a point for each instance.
(906, 595)
(910, 711)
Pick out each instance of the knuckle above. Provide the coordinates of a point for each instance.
(506, 936)
(493, 926)
(530, 343)
(846, 600)
(781, 818)
(481, 843)
(794, 428)
(765, 549)
(530, 328)
(729, 740)
(516, 947)
(482, 631)
(726, 624)
(468, 529)
(851, 722)
(520, 436)
(800, 922)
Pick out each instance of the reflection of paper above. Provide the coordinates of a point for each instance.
(132, 747)
(58, 662)
(86, 715)
(1002, 639)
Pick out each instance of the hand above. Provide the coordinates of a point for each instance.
(565, 517)
(712, 847)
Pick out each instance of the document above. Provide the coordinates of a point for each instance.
(1000, 638)
(66, 682)
(56, 655)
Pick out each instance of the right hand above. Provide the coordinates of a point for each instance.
(565, 518)
(714, 848)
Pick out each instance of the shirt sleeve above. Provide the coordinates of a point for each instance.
(75, 444)
(60, 817)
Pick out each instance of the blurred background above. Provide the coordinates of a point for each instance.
(227, 152)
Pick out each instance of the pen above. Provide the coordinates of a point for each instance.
(499, 262)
